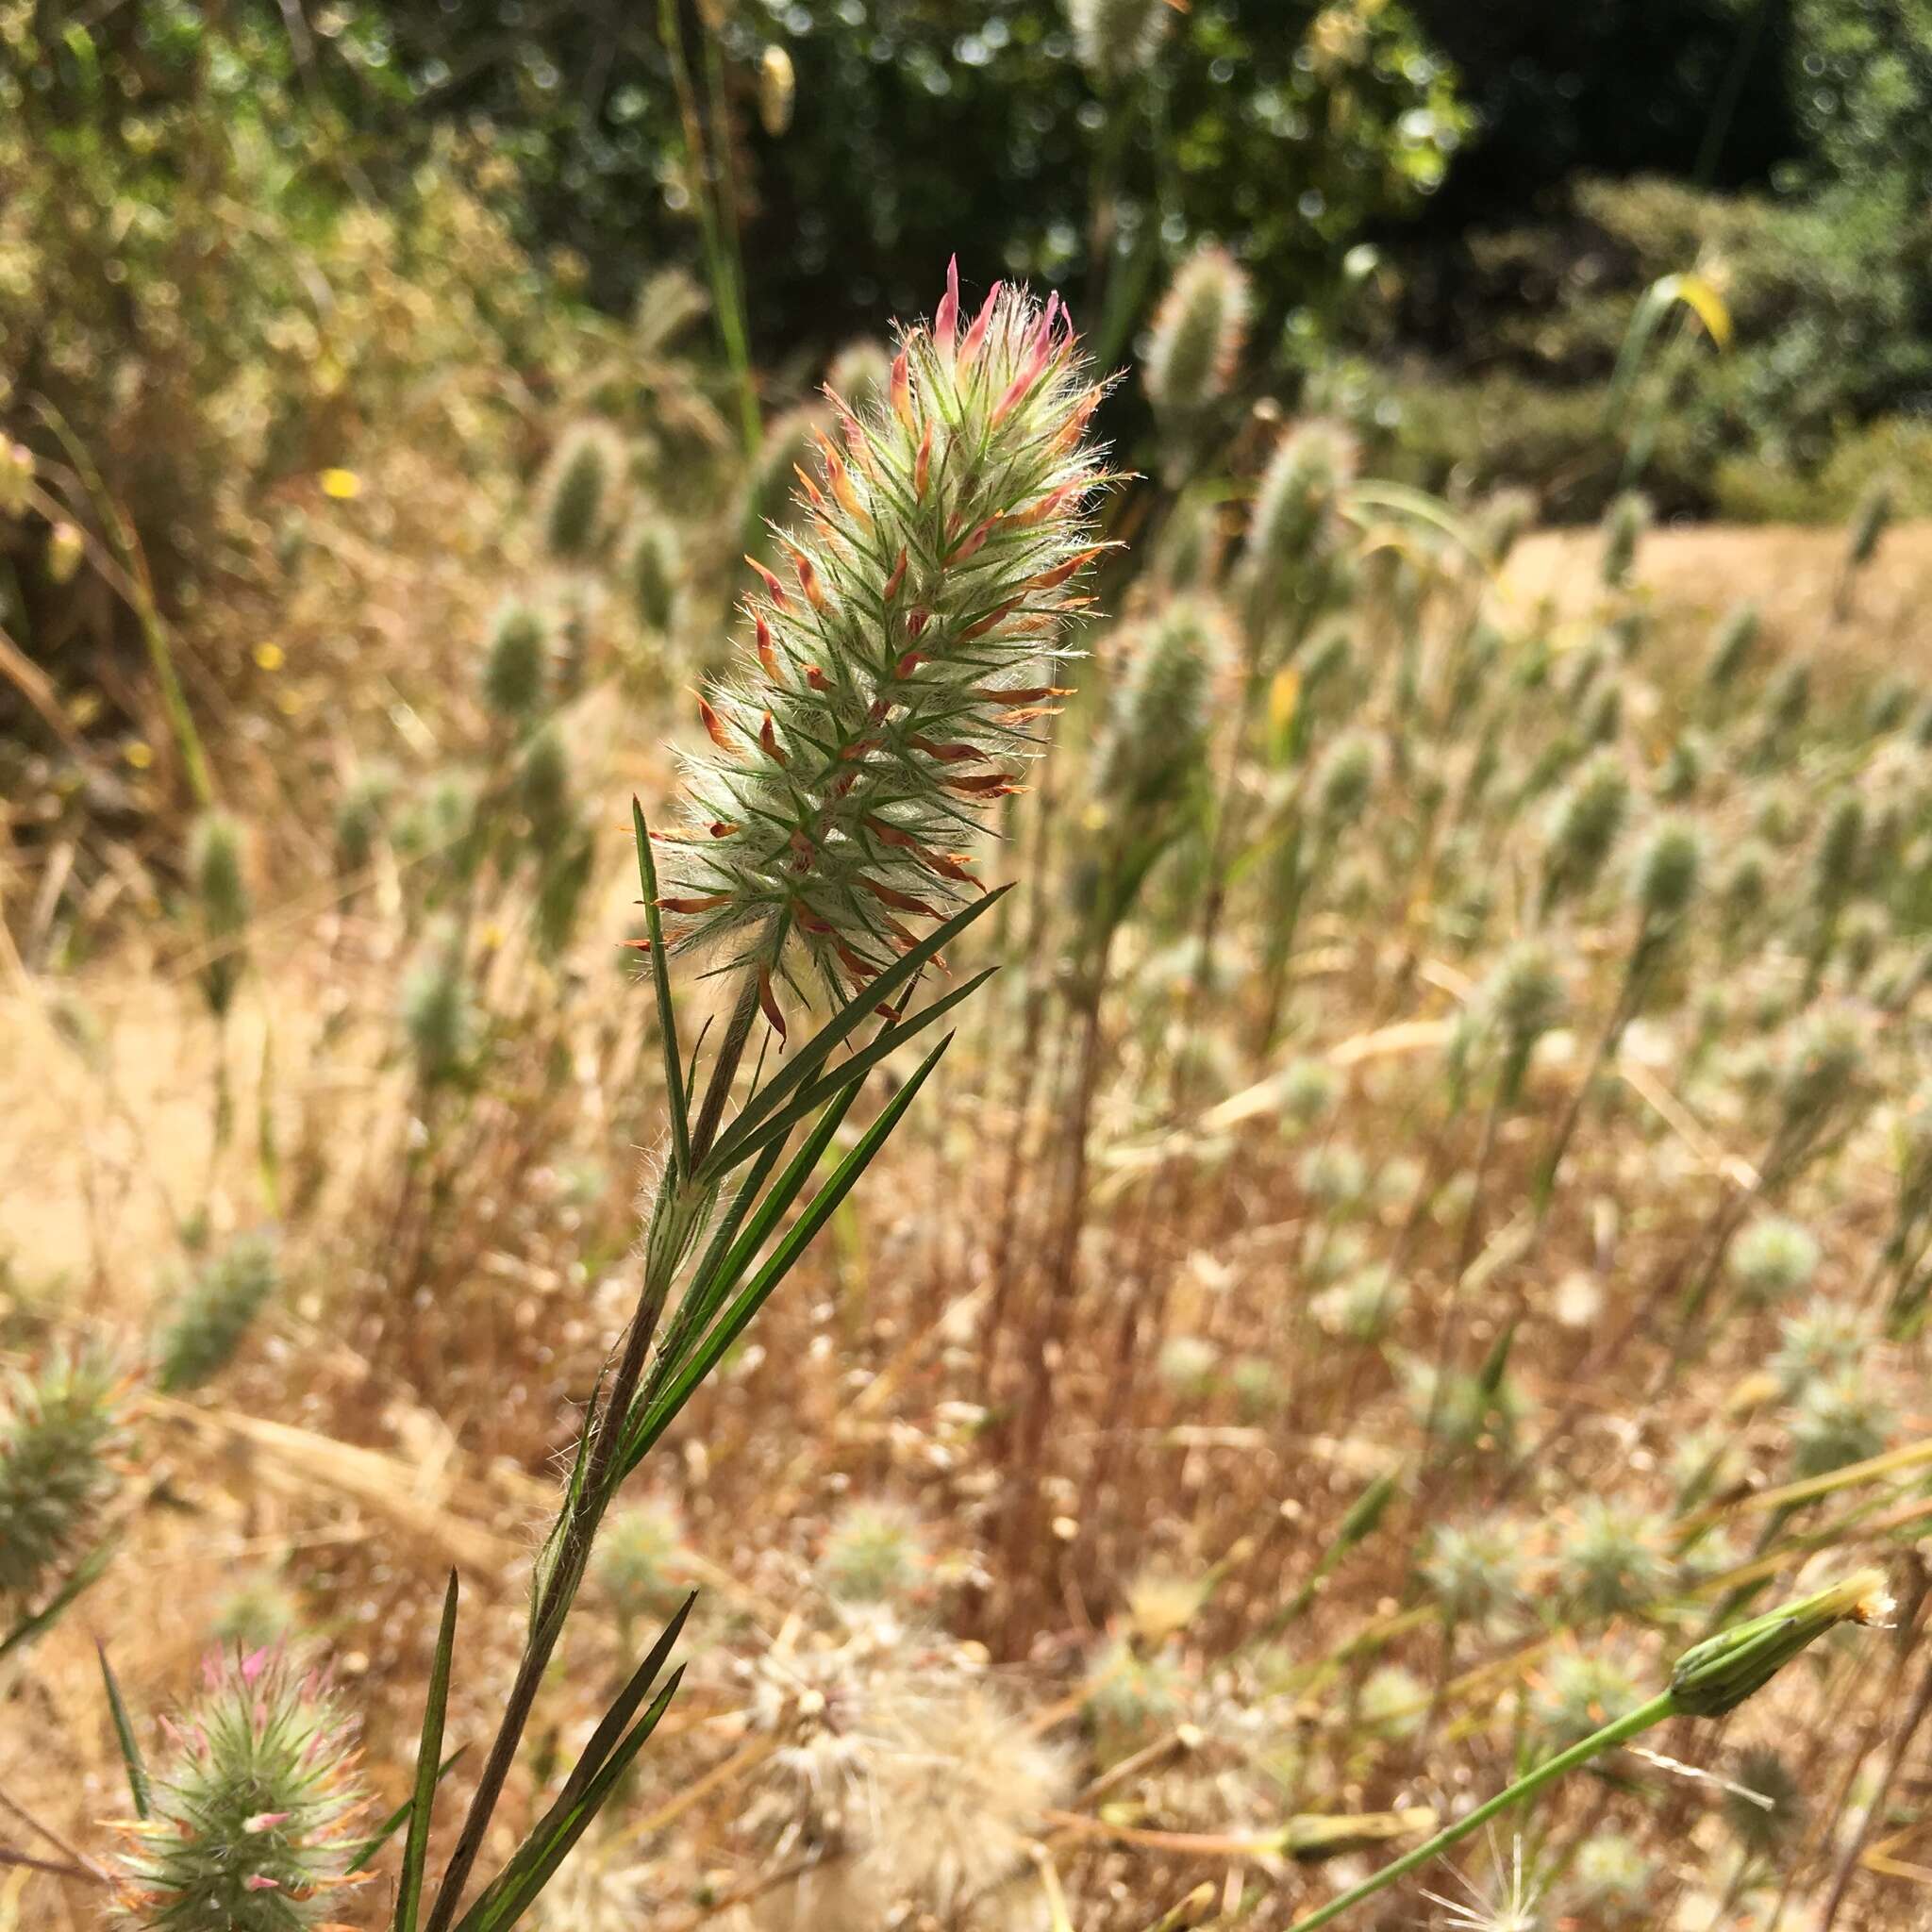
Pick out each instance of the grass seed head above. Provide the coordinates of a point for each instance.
(516, 664)
(223, 904)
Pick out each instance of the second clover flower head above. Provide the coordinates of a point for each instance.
(903, 652)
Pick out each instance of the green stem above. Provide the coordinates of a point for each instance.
(1642, 1719)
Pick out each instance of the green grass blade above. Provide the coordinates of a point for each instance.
(819, 1048)
(435, 1706)
(860, 1064)
(663, 1408)
(716, 1279)
(606, 1744)
(399, 1817)
(661, 986)
(498, 1912)
(124, 1735)
(84, 1577)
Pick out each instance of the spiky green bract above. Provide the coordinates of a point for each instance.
(653, 567)
(215, 1311)
(222, 903)
(579, 490)
(1197, 335)
(899, 662)
(55, 1472)
(1116, 39)
(515, 664)
(1154, 746)
(252, 1821)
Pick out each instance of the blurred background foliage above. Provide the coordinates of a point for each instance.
(231, 234)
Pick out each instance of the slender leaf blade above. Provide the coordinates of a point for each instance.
(435, 1707)
(661, 986)
(124, 1735)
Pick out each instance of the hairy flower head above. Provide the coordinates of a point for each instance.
(250, 1825)
(901, 653)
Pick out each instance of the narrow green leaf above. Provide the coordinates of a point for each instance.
(84, 1577)
(814, 1052)
(606, 1743)
(435, 1706)
(716, 1279)
(662, 1409)
(888, 1041)
(396, 1818)
(499, 1914)
(124, 1735)
(661, 986)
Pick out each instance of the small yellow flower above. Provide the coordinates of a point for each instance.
(139, 754)
(341, 484)
(270, 657)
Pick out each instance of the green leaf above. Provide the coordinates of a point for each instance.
(888, 1041)
(124, 1735)
(506, 1895)
(818, 1049)
(84, 1577)
(435, 1706)
(389, 1826)
(661, 1409)
(661, 986)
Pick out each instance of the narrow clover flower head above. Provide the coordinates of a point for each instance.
(1730, 645)
(252, 1825)
(223, 905)
(1155, 743)
(653, 568)
(1197, 335)
(1870, 522)
(1625, 524)
(902, 652)
(515, 664)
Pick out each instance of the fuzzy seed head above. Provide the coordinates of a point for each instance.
(1345, 778)
(1838, 1422)
(1613, 1558)
(1762, 1827)
(1730, 645)
(360, 812)
(1664, 879)
(902, 649)
(1580, 1692)
(253, 1822)
(57, 1440)
(543, 785)
(436, 1014)
(1197, 336)
(578, 491)
(1745, 880)
(212, 1316)
(223, 904)
(1772, 1259)
(1587, 822)
(1294, 507)
(516, 664)
(862, 373)
(1611, 1881)
(1480, 1570)
(875, 1553)
(1155, 747)
(1625, 524)
(635, 1560)
(1788, 697)
(1524, 993)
